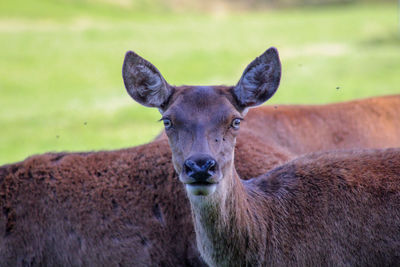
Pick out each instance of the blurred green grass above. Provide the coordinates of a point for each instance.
(60, 64)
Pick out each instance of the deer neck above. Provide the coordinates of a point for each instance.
(228, 225)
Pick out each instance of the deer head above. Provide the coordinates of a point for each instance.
(202, 122)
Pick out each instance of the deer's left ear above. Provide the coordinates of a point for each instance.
(259, 81)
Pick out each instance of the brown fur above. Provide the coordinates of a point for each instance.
(95, 209)
(367, 123)
(339, 208)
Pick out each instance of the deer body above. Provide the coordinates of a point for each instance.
(95, 209)
(326, 209)
(301, 129)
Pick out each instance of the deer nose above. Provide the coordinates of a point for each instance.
(200, 167)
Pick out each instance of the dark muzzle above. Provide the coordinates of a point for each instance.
(200, 167)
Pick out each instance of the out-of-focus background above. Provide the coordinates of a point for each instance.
(60, 60)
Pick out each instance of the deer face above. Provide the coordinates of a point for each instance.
(202, 121)
(201, 124)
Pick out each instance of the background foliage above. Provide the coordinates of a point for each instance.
(60, 61)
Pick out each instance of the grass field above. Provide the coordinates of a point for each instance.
(60, 64)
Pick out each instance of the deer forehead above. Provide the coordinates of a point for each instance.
(210, 105)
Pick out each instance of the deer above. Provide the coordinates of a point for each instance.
(327, 208)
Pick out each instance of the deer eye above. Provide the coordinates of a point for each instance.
(236, 123)
(167, 123)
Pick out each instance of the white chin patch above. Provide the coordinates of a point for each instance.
(201, 190)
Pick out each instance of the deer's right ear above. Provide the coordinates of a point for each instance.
(144, 82)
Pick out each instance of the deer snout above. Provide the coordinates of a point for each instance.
(200, 175)
(200, 168)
